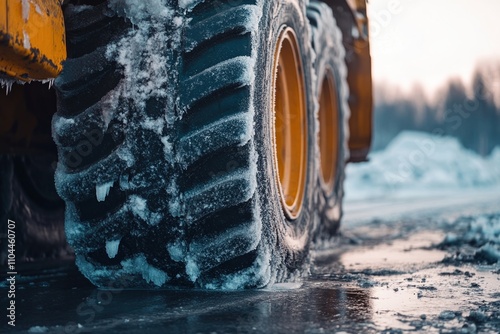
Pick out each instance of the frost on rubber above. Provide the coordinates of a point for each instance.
(165, 156)
(236, 232)
(110, 132)
(326, 40)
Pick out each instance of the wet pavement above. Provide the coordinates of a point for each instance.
(393, 276)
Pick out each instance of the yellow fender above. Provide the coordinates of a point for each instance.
(32, 39)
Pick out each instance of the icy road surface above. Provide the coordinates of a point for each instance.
(401, 274)
(412, 257)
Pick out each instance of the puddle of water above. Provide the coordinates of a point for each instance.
(401, 284)
(397, 255)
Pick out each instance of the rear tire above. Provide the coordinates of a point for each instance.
(29, 199)
(332, 91)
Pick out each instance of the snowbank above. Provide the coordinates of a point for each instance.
(415, 164)
(478, 240)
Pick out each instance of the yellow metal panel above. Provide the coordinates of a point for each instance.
(32, 39)
(357, 4)
(352, 19)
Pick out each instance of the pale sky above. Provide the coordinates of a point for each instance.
(428, 41)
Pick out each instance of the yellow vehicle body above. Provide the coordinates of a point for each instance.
(216, 95)
(32, 39)
(33, 47)
(351, 15)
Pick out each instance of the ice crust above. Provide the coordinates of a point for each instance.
(150, 274)
(26, 41)
(138, 206)
(139, 12)
(25, 9)
(177, 251)
(137, 265)
(61, 123)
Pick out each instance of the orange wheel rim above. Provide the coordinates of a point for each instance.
(328, 127)
(290, 123)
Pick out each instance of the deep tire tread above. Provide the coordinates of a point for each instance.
(217, 196)
(90, 110)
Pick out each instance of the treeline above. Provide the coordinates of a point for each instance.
(471, 114)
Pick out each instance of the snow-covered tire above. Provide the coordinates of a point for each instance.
(189, 164)
(331, 73)
(112, 171)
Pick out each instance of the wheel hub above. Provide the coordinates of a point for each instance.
(328, 131)
(290, 123)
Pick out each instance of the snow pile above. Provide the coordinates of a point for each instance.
(479, 240)
(417, 163)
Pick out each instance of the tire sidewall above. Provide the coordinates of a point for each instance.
(290, 237)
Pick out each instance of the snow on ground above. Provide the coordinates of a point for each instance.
(417, 164)
(474, 240)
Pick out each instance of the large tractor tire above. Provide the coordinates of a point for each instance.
(332, 92)
(186, 141)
